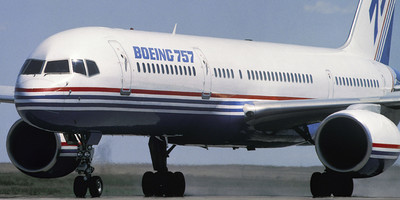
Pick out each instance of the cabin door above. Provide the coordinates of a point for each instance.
(330, 83)
(206, 94)
(126, 72)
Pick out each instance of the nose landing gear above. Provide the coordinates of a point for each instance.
(85, 180)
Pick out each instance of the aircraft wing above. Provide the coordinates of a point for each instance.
(6, 94)
(288, 114)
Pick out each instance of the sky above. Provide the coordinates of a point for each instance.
(323, 23)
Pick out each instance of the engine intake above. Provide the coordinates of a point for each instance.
(359, 142)
(40, 153)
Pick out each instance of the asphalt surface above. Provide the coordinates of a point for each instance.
(213, 198)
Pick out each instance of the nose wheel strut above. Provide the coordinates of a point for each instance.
(85, 181)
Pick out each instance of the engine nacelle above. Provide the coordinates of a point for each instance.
(357, 142)
(40, 153)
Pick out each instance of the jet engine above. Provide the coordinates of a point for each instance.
(358, 143)
(40, 153)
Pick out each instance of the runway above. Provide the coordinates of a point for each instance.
(219, 182)
(214, 198)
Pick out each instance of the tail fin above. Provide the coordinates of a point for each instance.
(371, 33)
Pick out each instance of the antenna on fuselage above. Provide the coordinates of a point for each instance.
(174, 31)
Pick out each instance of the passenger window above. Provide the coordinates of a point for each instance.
(190, 71)
(194, 71)
(92, 68)
(78, 67)
(154, 69)
(184, 70)
(248, 74)
(180, 70)
(228, 74)
(57, 67)
(162, 69)
(144, 67)
(223, 71)
(148, 68)
(176, 70)
(269, 76)
(256, 74)
(172, 69)
(215, 72)
(32, 67)
(138, 67)
(166, 69)
(233, 75)
(158, 68)
(240, 74)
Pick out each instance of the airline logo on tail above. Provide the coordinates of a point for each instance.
(377, 9)
(371, 32)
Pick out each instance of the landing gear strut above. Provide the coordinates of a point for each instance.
(162, 182)
(85, 180)
(330, 183)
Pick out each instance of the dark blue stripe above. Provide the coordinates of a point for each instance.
(106, 105)
(69, 151)
(385, 153)
(131, 98)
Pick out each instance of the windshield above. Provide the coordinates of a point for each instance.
(32, 66)
(59, 67)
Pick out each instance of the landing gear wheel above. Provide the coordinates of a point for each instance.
(95, 186)
(327, 184)
(178, 184)
(342, 186)
(319, 185)
(148, 185)
(80, 187)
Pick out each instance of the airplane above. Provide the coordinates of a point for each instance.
(83, 83)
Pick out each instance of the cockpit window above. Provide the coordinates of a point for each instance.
(78, 67)
(92, 68)
(57, 67)
(32, 66)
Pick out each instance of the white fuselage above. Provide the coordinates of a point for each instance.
(183, 86)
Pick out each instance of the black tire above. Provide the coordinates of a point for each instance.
(319, 185)
(179, 184)
(95, 186)
(80, 187)
(148, 184)
(342, 186)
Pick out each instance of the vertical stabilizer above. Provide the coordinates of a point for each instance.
(371, 32)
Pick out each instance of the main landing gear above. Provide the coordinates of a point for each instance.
(162, 182)
(85, 180)
(330, 183)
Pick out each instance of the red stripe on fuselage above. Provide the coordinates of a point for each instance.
(155, 92)
(386, 146)
(66, 144)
